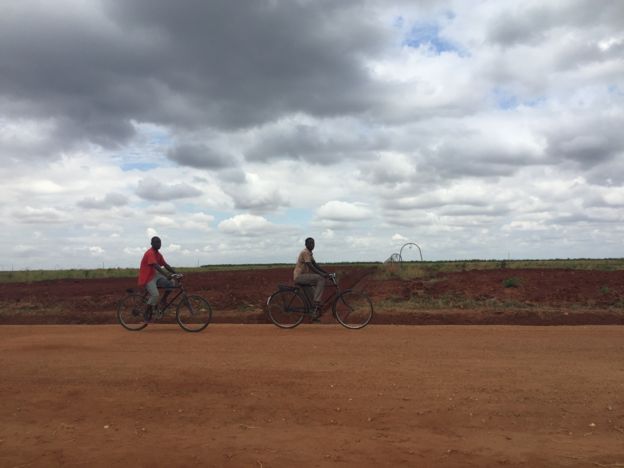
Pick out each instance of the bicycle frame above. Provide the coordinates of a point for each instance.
(160, 311)
(327, 302)
(192, 312)
(289, 304)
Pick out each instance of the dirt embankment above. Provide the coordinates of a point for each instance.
(513, 296)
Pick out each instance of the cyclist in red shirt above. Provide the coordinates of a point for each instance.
(152, 275)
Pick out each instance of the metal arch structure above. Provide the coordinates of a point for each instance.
(394, 258)
(410, 244)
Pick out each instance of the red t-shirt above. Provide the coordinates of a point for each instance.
(147, 271)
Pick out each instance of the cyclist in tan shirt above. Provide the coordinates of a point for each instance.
(308, 273)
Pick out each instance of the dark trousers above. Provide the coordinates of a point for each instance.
(314, 280)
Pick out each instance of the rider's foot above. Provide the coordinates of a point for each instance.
(148, 314)
(316, 313)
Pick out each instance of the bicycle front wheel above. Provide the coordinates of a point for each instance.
(286, 309)
(353, 309)
(193, 313)
(130, 312)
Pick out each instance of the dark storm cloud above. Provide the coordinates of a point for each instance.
(189, 64)
(430, 201)
(605, 175)
(468, 157)
(530, 25)
(258, 203)
(151, 189)
(66, 68)
(312, 144)
(582, 218)
(588, 140)
(248, 61)
(200, 156)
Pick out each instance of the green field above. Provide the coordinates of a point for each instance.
(429, 269)
(405, 270)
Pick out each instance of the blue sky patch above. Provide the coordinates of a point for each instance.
(138, 166)
(428, 34)
(506, 100)
(615, 89)
(295, 216)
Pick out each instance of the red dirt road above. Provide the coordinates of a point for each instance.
(316, 396)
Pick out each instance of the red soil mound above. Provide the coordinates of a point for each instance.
(476, 296)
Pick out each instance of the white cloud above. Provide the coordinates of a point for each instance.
(30, 215)
(164, 208)
(343, 211)
(110, 200)
(96, 250)
(197, 222)
(256, 194)
(247, 225)
(22, 250)
(358, 242)
(134, 251)
(163, 221)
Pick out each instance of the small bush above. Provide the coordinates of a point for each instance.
(511, 282)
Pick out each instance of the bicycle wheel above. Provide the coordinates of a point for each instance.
(353, 309)
(286, 309)
(130, 312)
(193, 313)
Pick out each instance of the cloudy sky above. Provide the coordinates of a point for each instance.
(235, 129)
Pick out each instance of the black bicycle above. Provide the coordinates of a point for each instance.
(289, 305)
(193, 313)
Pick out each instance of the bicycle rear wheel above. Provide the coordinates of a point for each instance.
(130, 312)
(353, 309)
(193, 313)
(286, 309)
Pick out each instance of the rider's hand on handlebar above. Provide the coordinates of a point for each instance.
(175, 277)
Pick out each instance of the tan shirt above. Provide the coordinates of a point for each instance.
(305, 256)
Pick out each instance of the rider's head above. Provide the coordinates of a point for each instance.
(156, 243)
(309, 243)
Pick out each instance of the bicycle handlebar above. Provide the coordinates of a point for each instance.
(177, 277)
